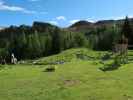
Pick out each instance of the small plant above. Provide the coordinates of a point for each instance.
(113, 66)
(51, 68)
(106, 56)
(1, 67)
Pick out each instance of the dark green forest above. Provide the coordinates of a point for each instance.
(43, 39)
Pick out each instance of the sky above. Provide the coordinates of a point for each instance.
(62, 12)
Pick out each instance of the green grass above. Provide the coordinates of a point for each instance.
(68, 56)
(74, 80)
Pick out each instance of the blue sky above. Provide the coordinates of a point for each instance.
(62, 12)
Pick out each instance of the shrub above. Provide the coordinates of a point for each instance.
(51, 68)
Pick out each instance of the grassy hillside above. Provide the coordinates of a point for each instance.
(78, 78)
(69, 56)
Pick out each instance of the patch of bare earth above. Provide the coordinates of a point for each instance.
(70, 82)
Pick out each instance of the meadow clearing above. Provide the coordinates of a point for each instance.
(75, 77)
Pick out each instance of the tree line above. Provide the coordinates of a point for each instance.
(40, 40)
(104, 37)
(43, 39)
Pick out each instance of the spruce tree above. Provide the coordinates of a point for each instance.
(29, 47)
(56, 41)
(127, 30)
(36, 45)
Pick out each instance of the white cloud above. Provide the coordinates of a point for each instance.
(5, 7)
(121, 17)
(116, 17)
(53, 22)
(91, 20)
(73, 21)
(61, 18)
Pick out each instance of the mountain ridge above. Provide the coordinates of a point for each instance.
(84, 25)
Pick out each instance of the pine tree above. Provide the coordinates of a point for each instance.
(56, 41)
(48, 45)
(29, 47)
(23, 42)
(36, 45)
(127, 30)
(42, 44)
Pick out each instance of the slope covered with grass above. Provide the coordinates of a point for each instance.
(69, 56)
(76, 79)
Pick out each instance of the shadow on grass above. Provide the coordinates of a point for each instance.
(2, 67)
(110, 67)
(50, 68)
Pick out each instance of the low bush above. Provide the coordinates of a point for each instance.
(50, 68)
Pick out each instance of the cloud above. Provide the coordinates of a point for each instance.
(73, 21)
(116, 17)
(120, 17)
(53, 22)
(61, 18)
(91, 20)
(5, 7)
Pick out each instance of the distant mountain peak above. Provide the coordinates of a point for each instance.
(85, 26)
(82, 22)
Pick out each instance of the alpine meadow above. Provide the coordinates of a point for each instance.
(66, 50)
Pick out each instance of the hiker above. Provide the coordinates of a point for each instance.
(13, 59)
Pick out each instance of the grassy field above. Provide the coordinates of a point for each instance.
(76, 77)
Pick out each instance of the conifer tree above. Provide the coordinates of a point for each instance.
(127, 30)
